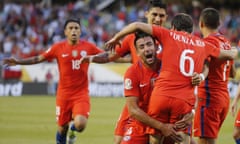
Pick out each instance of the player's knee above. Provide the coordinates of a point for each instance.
(80, 128)
(80, 125)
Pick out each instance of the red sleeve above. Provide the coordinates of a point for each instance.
(211, 50)
(159, 33)
(94, 49)
(131, 82)
(50, 53)
(125, 45)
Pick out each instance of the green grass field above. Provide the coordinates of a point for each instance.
(31, 120)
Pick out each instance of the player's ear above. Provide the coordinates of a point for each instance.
(201, 24)
(65, 32)
(173, 27)
(146, 14)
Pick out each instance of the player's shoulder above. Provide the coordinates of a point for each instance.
(136, 67)
(216, 37)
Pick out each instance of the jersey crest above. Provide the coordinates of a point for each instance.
(128, 84)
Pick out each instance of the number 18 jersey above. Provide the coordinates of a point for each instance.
(73, 75)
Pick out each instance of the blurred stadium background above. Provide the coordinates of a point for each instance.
(29, 27)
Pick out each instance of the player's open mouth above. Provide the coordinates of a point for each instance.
(149, 57)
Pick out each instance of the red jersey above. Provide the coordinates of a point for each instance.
(214, 90)
(127, 46)
(73, 76)
(138, 82)
(182, 55)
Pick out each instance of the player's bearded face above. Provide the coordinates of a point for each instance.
(146, 50)
(72, 31)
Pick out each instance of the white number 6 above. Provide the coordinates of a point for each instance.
(184, 57)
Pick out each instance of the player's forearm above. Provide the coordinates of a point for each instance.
(143, 117)
(29, 61)
(228, 54)
(103, 58)
(100, 58)
(133, 27)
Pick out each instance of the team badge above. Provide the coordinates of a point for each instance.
(128, 84)
(74, 53)
(126, 138)
(83, 53)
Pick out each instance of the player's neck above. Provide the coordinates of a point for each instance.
(72, 43)
(154, 66)
(208, 32)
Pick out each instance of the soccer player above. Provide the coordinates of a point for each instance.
(182, 55)
(213, 95)
(72, 101)
(236, 131)
(138, 84)
(155, 15)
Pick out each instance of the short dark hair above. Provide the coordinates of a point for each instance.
(210, 17)
(140, 34)
(75, 20)
(183, 22)
(157, 3)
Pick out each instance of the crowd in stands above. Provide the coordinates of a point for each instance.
(27, 29)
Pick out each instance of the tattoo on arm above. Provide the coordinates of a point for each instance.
(31, 60)
(101, 58)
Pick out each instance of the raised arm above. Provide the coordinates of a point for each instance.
(133, 27)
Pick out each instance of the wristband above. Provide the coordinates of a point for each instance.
(91, 59)
(202, 76)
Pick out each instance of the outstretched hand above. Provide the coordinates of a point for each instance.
(110, 45)
(9, 62)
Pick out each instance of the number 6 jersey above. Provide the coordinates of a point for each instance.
(182, 55)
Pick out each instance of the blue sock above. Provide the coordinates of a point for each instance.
(61, 139)
(237, 141)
